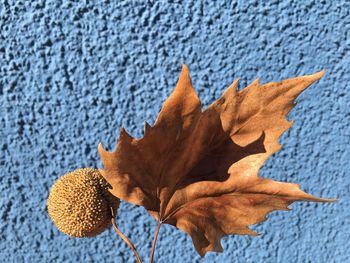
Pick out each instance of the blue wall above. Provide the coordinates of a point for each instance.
(72, 73)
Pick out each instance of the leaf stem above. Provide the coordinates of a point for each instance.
(125, 239)
(155, 241)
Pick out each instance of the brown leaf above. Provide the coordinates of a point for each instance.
(199, 170)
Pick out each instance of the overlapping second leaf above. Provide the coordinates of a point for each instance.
(199, 170)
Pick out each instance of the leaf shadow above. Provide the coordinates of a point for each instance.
(221, 153)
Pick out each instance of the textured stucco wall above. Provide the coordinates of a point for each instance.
(72, 73)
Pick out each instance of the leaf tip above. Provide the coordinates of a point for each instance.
(323, 71)
(257, 81)
(332, 200)
(185, 68)
(232, 89)
(185, 76)
(100, 148)
(320, 74)
(124, 135)
(234, 84)
(104, 154)
(316, 76)
(254, 83)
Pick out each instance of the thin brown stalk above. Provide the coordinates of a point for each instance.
(125, 239)
(155, 241)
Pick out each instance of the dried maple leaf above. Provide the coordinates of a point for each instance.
(198, 170)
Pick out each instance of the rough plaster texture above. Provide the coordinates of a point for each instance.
(72, 73)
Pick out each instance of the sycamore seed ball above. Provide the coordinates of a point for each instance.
(79, 203)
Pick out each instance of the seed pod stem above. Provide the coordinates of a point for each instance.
(125, 239)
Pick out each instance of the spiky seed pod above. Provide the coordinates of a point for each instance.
(79, 203)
